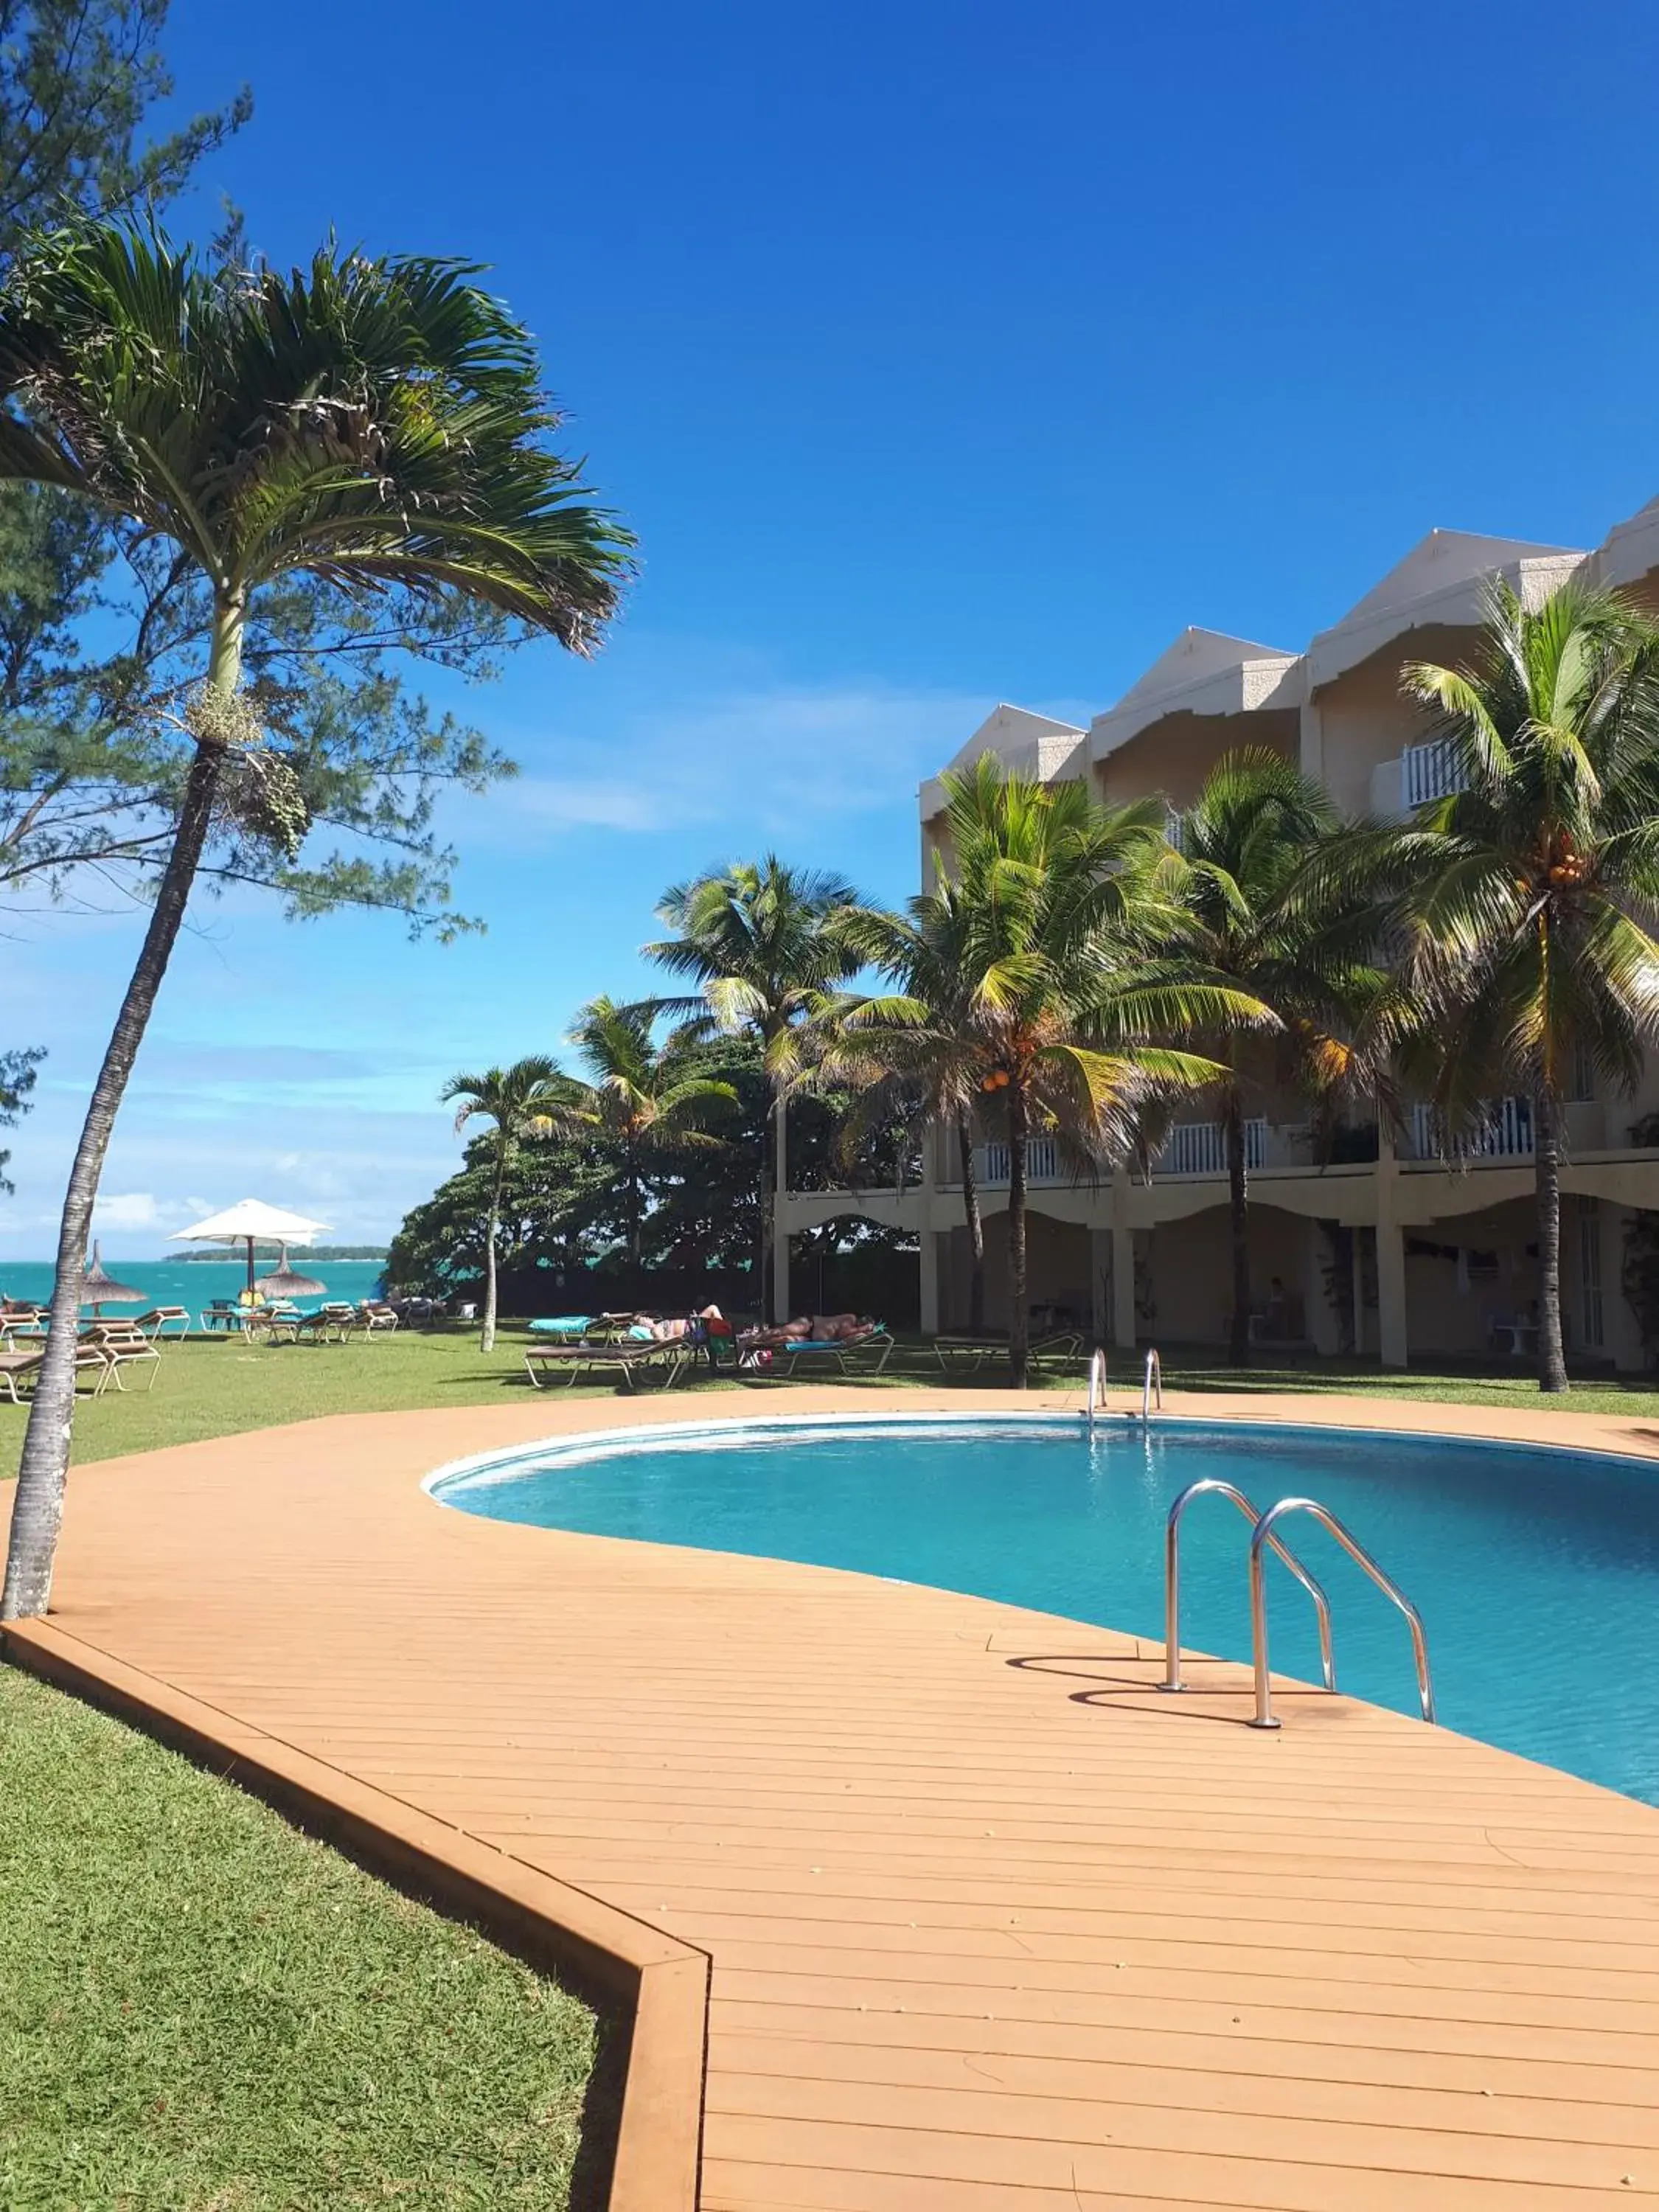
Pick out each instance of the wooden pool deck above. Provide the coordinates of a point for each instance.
(965, 1916)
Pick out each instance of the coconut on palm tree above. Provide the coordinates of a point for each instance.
(378, 423)
(1258, 909)
(1066, 1009)
(764, 943)
(647, 1097)
(528, 1100)
(1531, 895)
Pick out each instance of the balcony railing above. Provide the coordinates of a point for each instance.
(1429, 772)
(1199, 1148)
(1504, 1133)
(1041, 1163)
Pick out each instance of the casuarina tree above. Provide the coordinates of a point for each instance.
(378, 424)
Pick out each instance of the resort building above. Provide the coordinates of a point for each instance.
(1381, 1246)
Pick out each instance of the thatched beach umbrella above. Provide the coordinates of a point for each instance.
(99, 1289)
(248, 1221)
(285, 1282)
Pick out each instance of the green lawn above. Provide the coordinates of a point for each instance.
(202, 2011)
(209, 1388)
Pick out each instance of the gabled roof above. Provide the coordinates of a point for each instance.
(1630, 548)
(1441, 580)
(1034, 744)
(1205, 671)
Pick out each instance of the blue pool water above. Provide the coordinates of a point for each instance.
(1536, 1571)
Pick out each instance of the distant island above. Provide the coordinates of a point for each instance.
(299, 1253)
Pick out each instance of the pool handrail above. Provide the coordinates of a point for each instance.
(1154, 1375)
(1172, 1579)
(1097, 1384)
(1262, 1537)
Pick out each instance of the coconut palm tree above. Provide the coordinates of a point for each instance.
(528, 1100)
(1061, 1007)
(1260, 910)
(1531, 897)
(377, 423)
(762, 943)
(921, 1041)
(645, 1097)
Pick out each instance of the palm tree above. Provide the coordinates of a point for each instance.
(762, 942)
(644, 1096)
(1062, 1006)
(921, 1041)
(1260, 911)
(1531, 894)
(377, 423)
(530, 1099)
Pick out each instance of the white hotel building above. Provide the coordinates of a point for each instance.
(1406, 1252)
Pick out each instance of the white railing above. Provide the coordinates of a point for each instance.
(1041, 1163)
(1428, 772)
(1200, 1148)
(1503, 1134)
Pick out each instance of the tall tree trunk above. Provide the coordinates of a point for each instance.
(1019, 1318)
(1238, 1348)
(1546, 1168)
(975, 1230)
(635, 1238)
(765, 1273)
(492, 1228)
(37, 1512)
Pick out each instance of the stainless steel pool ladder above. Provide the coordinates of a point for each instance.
(1212, 1486)
(1096, 1385)
(1153, 1381)
(1263, 1538)
(1152, 1384)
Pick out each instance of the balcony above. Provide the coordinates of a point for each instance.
(1199, 1148)
(1504, 1133)
(1421, 774)
(1043, 1163)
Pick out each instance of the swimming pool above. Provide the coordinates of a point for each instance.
(1536, 1571)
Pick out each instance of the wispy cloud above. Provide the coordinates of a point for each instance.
(840, 750)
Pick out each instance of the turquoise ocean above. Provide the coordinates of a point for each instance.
(196, 1283)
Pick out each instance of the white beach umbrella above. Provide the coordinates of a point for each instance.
(250, 1221)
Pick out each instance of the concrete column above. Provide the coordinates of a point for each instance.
(1391, 1330)
(780, 1215)
(929, 1259)
(1100, 1272)
(1321, 1313)
(1123, 1287)
(1391, 1293)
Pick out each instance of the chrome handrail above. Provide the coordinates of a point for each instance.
(1263, 1535)
(1154, 1375)
(1097, 1384)
(1172, 1581)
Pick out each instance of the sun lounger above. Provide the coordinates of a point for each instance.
(627, 1358)
(376, 1317)
(871, 1348)
(160, 1319)
(21, 1321)
(973, 1352)
(124, 1344)
(18, 1368)
(565, 1329)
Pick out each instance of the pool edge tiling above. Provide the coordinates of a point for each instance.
(990, 1923)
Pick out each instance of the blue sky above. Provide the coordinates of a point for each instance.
(937, 355)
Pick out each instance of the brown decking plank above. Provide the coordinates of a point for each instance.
(1333, 1939)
